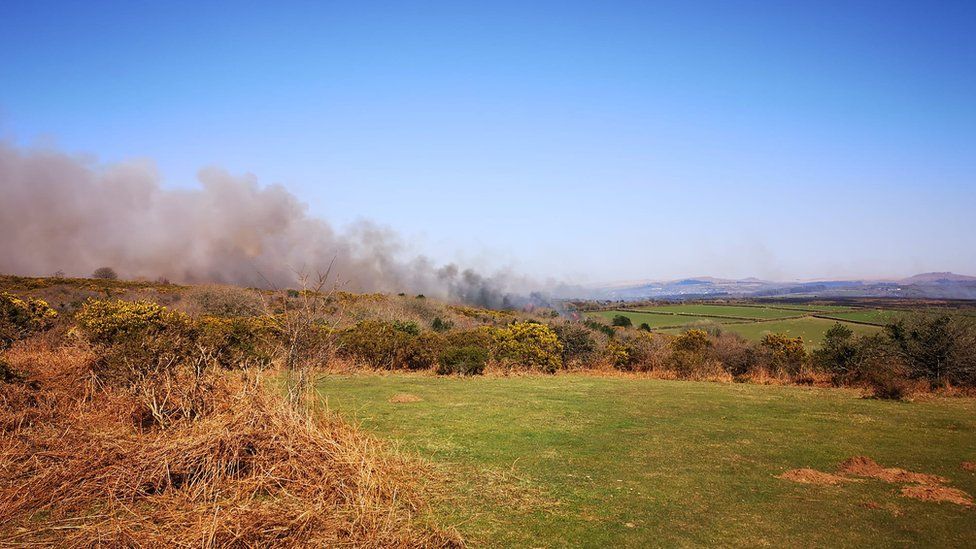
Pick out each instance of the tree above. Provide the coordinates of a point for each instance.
(838, 351)
(622, 320)
(105, 273)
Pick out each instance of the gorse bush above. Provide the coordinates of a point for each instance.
(141, 338)
(689, 351)
(577, 341)
(20, 318)
(783, 353)
(238, 342)
(138, 339)
(387, 345)
(528, 345)
(466, 360)
(439, 325)
(109, 322)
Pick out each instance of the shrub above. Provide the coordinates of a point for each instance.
(645, 327)
(140, 338)
(783, 353)
(838, 351)
(467, 360)
(644, 352)
(737, 356)
(689, 352)
(577, 341)
(618, 355)
(20, 318)
(599, 327)
(407, 327)
(383, 345)
(226, 301)
(529, 345)
(105, 273)
(940, 349)
(622, 321)
(439, 325)
(109, 322)
(237, 342)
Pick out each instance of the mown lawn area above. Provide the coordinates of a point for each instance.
(575, 460)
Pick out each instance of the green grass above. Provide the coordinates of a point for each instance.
(659, 320)
(614, 462)
(811, 329)
(724, 311)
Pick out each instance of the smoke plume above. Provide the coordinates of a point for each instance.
(64, 213)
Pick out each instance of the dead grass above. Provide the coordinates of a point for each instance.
(922, 486)
(404, 398)
(938, 494)
(813, 476)
(863, 466)
(80, 465)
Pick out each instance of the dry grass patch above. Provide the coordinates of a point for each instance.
(404, 398)
(939, 494)
(813, 476)
(863, 466)
(85, 465)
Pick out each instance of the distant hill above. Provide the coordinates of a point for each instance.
(935, 285)
(937, 278)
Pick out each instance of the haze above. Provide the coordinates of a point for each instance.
(574, 141)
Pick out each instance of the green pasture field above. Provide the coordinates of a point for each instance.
(873, 316)
(811, 329)
(660, 320)
(585, 461)
(750, 312)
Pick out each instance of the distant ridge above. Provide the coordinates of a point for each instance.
(936, 278)
(935, 285)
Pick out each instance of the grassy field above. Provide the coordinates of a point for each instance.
(755, 321)
(655, 320)
(811, 329)
(724, 311)
(600, 462)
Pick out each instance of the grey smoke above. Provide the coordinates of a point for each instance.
(62, 212)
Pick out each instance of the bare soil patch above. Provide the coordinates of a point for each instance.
(969, 466)
(813, 476)
(939, 494)
(863, 466)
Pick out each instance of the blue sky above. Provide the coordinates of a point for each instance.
(580, 140)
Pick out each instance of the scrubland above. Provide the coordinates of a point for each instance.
(138, 413)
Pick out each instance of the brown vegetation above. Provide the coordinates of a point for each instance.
(131, 431)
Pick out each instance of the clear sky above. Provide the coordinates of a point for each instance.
(583, 140)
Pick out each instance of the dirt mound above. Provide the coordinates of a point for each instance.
(969, 466)
(813, 476)
(404, 398)
(863, 466)
(937, 493)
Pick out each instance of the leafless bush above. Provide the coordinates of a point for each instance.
(226, 301)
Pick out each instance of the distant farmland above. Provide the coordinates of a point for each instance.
(753, 321)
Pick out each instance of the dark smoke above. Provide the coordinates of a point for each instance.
(64, 213)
